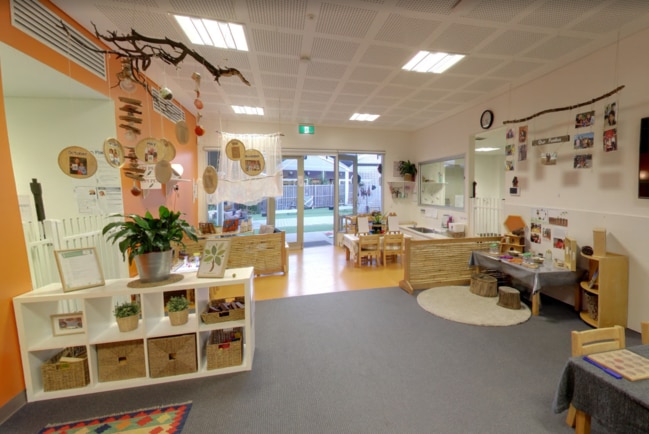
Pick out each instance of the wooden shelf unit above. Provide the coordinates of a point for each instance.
(38, 343)
(610, 286)
(512, 242)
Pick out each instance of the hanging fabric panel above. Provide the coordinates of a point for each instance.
(235, 185)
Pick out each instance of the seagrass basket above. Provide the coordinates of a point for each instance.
(222, 310)
(66, 370)
(224, 348)
(121, 360)
(129, 323)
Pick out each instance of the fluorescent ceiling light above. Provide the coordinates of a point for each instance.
(215, 33)
(486, 149)
(364, 117)
(425, 61)
(245, 110)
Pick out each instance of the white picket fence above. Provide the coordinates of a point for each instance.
(44, 238)
(487, 216)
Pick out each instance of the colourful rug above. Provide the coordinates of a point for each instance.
(157, 420)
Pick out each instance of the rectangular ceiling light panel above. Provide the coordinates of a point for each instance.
(245, 110)
(214, 33)
(364, 117)
(425, 61)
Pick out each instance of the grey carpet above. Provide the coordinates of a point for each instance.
(368, 361)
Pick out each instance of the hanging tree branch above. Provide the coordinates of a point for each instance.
(140, 50)
(560, 109)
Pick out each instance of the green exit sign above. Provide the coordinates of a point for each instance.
(306, 129)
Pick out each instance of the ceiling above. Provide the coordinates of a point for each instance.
(318, 61)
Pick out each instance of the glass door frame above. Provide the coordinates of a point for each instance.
(338, 224)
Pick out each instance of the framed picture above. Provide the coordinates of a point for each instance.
(79, 268)
(68, 323)
(214, 258)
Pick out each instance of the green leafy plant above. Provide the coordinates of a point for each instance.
(406, 167)
(177, 304)
(214, 254)
(127, 308)
(146, 234)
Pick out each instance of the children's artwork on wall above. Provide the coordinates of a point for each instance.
(522, 134)
(509, 165)
(583, 141)
(522, 152)
(547, 233)
(610, 140)
(610, 115)
(551, 227)
(535, 233)
(583, 161)
(586, 119)
(510, 149)
(510, 134)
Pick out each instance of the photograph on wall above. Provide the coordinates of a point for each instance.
(583, 141)
(510, 149)
(586, 119)
(522, 152)
(558, 218)
(522, 134)
(610, 115)
(535, 233)
(547, 234)
(583, 161)
(558, 239)
(77, 162)
(509, 165)
(548, 158)
(510, 134)
(610, 140)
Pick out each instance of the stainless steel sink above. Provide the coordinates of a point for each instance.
(423, 230)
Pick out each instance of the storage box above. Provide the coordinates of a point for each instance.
(121, 360)
(224, 348)
(173, 355)
(592, 306)
(599, 242)
(66, 370)
(228, 310)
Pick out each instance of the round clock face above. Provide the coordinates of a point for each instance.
(486, 119)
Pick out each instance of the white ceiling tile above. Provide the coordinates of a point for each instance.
(332, 49)
(461, 38)
(512, 42)
(406, 30)
(343, 20)
(274, 42)
(556, 47)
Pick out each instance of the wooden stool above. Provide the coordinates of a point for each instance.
(484, 285)
(509, 297)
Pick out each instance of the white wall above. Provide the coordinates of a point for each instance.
(606, 194)
(490, 175)
(40, 128)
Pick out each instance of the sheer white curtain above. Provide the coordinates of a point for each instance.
(236, 186)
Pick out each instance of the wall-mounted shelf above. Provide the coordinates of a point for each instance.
(401, 189)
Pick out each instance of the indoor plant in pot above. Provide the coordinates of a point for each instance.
(127, 315)
(178, 308)
(148, 241)
(408, 170)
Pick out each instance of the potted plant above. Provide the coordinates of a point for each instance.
(148, 240)
(408, 170)
(178, 308)
(127, 315)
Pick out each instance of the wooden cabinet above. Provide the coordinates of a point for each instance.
(605, 291)
(39, 341)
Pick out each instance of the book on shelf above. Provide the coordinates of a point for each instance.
(593, 279)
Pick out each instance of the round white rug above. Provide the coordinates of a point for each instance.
(457, 303)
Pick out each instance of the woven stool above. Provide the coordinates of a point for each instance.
(509, 297)
(484, 285)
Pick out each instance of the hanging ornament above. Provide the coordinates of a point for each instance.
(199, 130)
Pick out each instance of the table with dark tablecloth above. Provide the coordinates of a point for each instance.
(622, 406)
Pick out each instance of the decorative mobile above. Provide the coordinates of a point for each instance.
(199, 130)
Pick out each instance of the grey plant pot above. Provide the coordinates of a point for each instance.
(154, 266)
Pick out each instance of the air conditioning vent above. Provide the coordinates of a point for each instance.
(36, 20)
(166, 108)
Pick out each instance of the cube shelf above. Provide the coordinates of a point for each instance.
(39, 341)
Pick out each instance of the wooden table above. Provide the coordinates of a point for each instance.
(533, 278)
(350, 243)
(622, 406)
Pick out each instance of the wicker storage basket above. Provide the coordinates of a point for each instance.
(179, 318)
(128, 323)
(229, 310)
(591, 306)
(121, 360)
(66, 370)
(172, 355)
(224, 348)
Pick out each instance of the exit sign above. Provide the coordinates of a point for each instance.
(306, 129)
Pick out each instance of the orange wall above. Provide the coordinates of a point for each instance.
(16, 278)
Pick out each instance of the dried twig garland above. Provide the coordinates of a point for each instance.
(516, 121)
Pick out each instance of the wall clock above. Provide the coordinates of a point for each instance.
(486, 119)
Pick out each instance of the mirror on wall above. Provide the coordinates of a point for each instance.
(441, 182)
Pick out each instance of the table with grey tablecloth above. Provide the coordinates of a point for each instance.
(622, 406)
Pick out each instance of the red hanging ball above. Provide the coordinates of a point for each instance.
(199, 130)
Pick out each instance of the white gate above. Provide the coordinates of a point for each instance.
(487, 216)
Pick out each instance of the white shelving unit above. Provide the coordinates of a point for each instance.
(38, 343)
